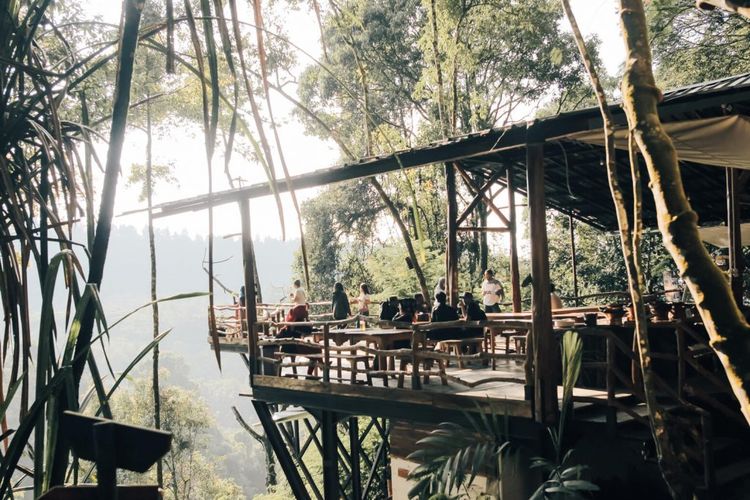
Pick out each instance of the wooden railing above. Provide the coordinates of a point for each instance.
(326, 347)
(687, 418)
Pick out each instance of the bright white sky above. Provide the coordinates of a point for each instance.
(184, 148)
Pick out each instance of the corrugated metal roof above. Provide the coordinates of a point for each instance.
(690, 102)
(729, 83)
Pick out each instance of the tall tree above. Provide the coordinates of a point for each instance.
(728, 331)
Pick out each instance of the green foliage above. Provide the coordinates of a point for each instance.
(189, 472)
(598, 271)
(565, 479)
(692, 45)
(452, 456)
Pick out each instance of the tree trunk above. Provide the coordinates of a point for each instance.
(407, 239)
(630, 242)
(728, 331)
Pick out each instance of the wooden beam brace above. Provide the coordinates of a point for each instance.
(473, 187)
(282, 453)
(478, 198)
(356, 450)
(476, 229)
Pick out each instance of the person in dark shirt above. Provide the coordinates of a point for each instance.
(389, 309)
(405, 311)
(470, 309)
(442, 311)
(340, 303)
(472, 312)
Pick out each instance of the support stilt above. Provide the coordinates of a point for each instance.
(355, 450)
(282, 453)
(330, 455)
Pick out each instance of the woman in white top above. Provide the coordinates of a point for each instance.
(298, 295)
(363, 301)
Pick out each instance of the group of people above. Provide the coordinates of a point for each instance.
(341, 302)
(405, 310)
(493, 292)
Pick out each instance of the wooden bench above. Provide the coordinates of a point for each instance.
(457, 346)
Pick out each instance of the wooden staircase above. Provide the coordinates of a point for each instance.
(714, 434)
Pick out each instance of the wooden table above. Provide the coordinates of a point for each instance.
(383, 338)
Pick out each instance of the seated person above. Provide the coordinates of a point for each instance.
(297, 314)
(443, 312)
(405, 312)
(421, 309)
(389, 309)
(405, 315)
(472, 312)
(340, 303)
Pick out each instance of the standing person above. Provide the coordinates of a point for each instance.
(440, 287)
(298, 295)
(492, 292)
(340, 303)
(363, 301)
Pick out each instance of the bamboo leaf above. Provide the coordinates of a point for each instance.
(25, 428)
(9, 396)
(132, 365)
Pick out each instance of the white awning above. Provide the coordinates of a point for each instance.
(722, 141)
(719, 235)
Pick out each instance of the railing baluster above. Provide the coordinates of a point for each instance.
(326, 353)
(680, 334)
(610, 376)
(415, 338)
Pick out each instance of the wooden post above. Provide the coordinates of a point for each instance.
(355, 450)
(573, 257)
(515, 282)
(416, 340)
(545, 386)
(248, 259)
(451, 250)
(736, 263)
(329, 437)
(611, 412)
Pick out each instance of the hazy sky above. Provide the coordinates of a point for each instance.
(184, 147)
